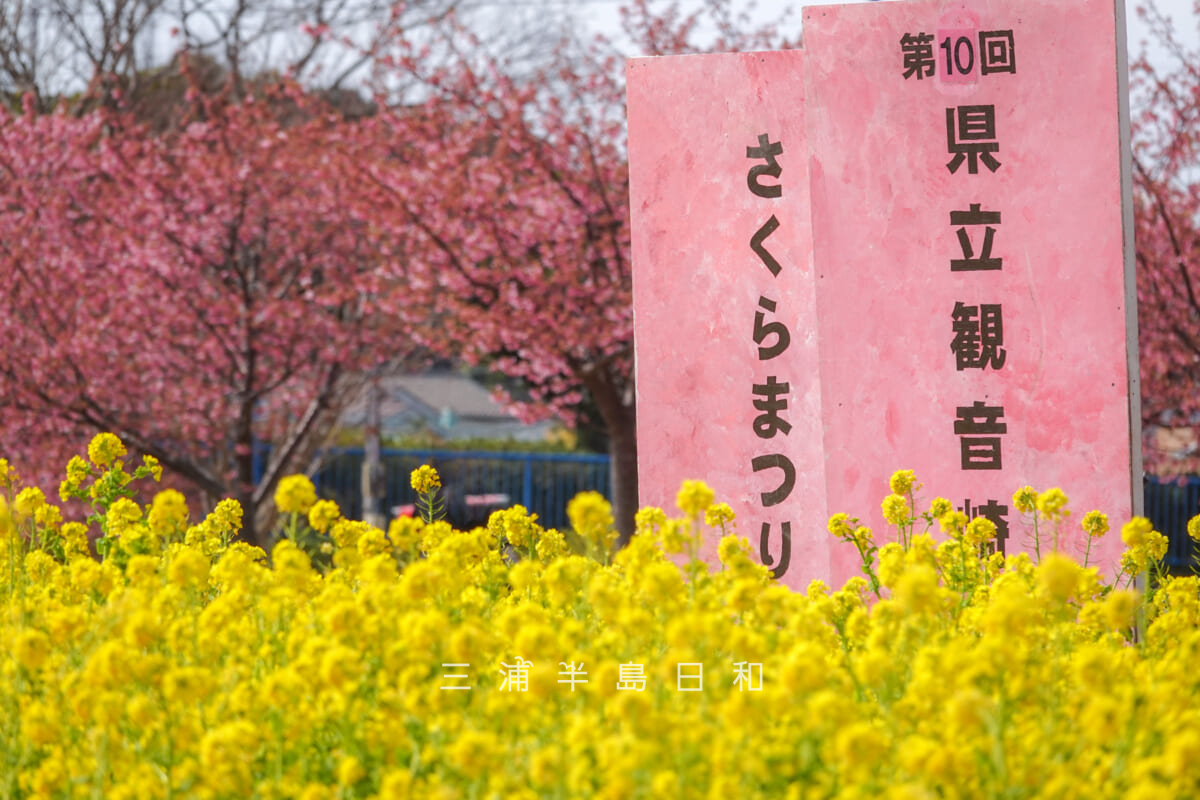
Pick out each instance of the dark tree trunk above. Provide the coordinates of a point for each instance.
(622, 449)
(244, 462)
(614, 399)
(294, 452)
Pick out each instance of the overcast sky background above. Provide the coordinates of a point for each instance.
(603, 14)
(518, 18)
(1181, 13)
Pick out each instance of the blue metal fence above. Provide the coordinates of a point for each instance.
(475, 483)
(1170, 503)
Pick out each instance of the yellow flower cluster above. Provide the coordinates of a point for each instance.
(295, 495)
(1052, 504)
(591, 517)
(105, 449)
(895, 509)
(903, 482)
(1145, 547)
(425, 479)
(323, 514)
(497, 663)
(1095, 524)
(694, 498)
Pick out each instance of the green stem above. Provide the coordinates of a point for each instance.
(912, 509)
(866, 568)
(962, 567)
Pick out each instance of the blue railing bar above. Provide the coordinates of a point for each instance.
(576, 458)
(527, 484)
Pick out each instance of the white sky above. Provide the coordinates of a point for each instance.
(1179, 11)
(603, 14)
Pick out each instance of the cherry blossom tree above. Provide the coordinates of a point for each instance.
(233, 277)
(192, 292)
(523, 230)
(1165, 94)
(95, 50)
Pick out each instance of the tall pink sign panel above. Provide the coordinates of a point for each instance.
(723, 297)
(958, 305)
(971, 301)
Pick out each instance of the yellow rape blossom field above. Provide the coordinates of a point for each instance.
(516, 662)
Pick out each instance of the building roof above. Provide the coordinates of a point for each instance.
(451, 405)
(462, 396)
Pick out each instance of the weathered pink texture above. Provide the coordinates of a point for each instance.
(697, 285)
(882, 199)
(873, 377)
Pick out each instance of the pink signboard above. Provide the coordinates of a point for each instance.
(971, 288)
(953, 270)
(723, 295)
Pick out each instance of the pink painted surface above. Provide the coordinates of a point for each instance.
(882, 198)
(697, 285)
(867, 289)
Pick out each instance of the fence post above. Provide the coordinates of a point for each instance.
(527, 483)
(257, 456)
(371, 479)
